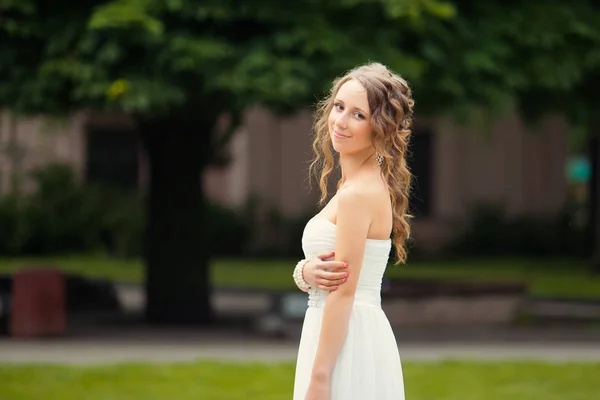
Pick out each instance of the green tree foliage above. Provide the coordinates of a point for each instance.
(534, 56)
(150, 56)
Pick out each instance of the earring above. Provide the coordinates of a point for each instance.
(379, 158)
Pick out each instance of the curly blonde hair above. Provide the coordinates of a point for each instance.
(391, 104)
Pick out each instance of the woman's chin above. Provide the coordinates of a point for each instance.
(336, 146)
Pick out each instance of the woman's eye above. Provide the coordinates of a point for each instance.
(338, 106)
(359, 116)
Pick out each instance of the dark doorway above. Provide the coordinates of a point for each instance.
(420, 161)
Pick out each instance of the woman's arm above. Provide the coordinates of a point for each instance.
(353, 222)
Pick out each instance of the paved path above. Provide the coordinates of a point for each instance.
(115, 351)
(131, 341)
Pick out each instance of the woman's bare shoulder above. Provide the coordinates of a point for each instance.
(372, 185)
(365, 190)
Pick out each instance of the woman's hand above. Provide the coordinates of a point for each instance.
(323, 273)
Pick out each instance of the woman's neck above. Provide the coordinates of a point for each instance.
(351, 164)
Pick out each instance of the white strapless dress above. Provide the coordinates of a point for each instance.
(368, 366)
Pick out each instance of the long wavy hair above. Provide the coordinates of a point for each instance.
(391, 104)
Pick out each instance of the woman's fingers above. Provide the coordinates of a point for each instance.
(337, 265)
(324, 256)
(335, 276)
(332, 279)
(332, 265)
(328, 288)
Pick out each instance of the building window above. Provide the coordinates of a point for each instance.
(112, 157)
(420, 162)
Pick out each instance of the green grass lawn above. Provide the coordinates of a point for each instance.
(452, 380)
(561, 278)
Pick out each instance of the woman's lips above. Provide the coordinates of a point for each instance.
(339, 135)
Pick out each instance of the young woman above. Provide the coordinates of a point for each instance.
(348, 350)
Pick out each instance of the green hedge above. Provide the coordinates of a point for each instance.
(64, 216)
(491, 232)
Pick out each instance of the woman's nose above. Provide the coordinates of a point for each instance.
(341, 120)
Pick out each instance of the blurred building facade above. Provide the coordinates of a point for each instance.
(455, 166)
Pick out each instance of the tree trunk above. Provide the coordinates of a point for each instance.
(176, 254)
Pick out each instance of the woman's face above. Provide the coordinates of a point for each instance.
(349, 119)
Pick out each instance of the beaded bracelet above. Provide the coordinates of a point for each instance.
(298, 278)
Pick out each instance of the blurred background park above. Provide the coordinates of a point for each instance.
(154, 191)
